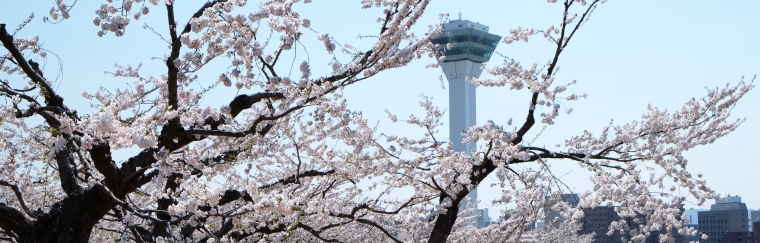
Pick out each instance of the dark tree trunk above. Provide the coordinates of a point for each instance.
(72, 219)
(443, 225)
(445, 222)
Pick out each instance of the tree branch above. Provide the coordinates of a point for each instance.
(20, 198)
(51, 98)
(580, 22)
(242, 102)
(251, 130)
(14, 221)
(199, 13)
(101, 157)
(561, 44)
(529, 120)
(173, 71)
(377, 226)
(294, 178)
(316, 233)
(66, 170)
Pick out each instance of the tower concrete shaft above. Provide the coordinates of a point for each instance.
(463, 47)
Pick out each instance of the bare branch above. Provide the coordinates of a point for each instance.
(584, 17)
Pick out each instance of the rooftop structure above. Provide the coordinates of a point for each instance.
(734, 199)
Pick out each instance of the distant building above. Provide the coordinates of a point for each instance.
(550, 215)
(725, 222)
(538, 225)
(597, 220)
(483, 219)
(755, 236)
(735, 237)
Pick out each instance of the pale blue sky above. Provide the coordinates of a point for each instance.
(630, 54)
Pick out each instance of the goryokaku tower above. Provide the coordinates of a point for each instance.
(464, 46)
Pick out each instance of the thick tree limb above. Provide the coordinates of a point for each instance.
(72, 219)
(173, 71)
(444, 223)
(242, 102)
(101, 157)
(166, 139)
(66, 171)
(12, 220)
(176, 46)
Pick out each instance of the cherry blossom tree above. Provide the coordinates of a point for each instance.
(266, 166)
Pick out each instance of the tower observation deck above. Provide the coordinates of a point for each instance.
(463, 47)
(467, 40)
